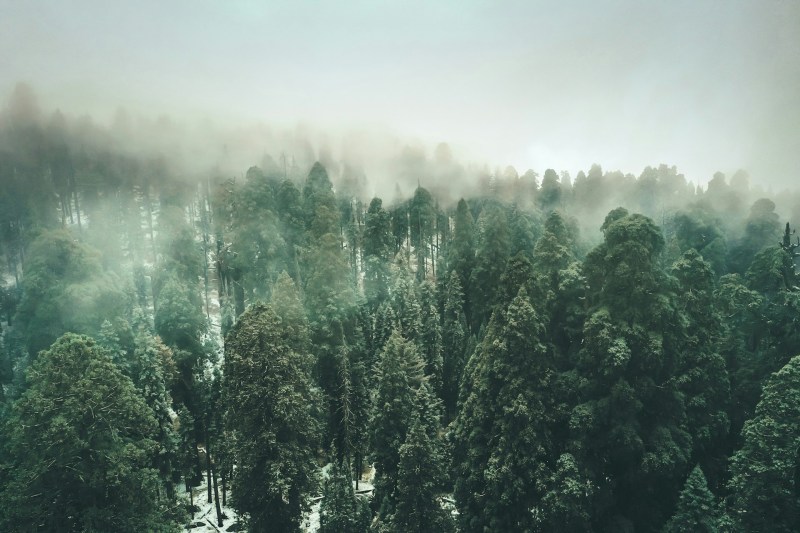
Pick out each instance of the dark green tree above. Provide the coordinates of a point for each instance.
(461, 250)
(422, 220)
(505, 409)
(341, 511)
(698, 510)
(80, 448)
(418, 507)
(764, 493)
(270, 401)
(399, 372)
(454, 343)
(377, 254)
(490, 263)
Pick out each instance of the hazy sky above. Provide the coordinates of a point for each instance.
(704, 85)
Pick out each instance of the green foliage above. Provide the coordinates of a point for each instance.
(421, 463)
(341, 511)
(66, 289)
(80, 445)
(398, 373)
(377, 253)
(764, 472)
(454, 342)
(505, 408)
(270, 401)
(697, 510)
(490, 262)
(566, 504)
(422, 219)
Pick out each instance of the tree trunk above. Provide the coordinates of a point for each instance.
(208, 466)
(216, 496)
(224, 488)
(191, 496)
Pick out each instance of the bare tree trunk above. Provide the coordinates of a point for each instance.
(191, 497)
(216, 495)
(224, 488)
(208, 466)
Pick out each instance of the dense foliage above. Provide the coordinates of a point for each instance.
(603, 353)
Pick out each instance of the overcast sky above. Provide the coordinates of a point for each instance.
(703, 85)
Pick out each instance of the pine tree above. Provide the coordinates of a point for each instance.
(504, 410)
(566, 504)
(764, 482)
(697, 508)
(461, 250)
(418, 508)
(80, 445)
(398, 373)
(629, 428)
(377, 253)
(430, 337)
(341, 511)
(490, 262)
(270, 403)
(454, 343)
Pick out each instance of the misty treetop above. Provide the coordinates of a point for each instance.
(468, 350)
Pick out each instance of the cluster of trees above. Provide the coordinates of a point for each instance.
(530, 358)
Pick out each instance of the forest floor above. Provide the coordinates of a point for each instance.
(205, 519)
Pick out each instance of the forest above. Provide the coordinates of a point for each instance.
(481, 350)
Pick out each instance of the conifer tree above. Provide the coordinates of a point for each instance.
(79, 447)
(377, 253)
(461, 250)
(399, 372)
(629, 427)
(270, 403)
(697, 509)
(341, 511)
(764, 484)
(454, 343)
(418, 508)
(504, 410)
(430, 337)
(491, 257)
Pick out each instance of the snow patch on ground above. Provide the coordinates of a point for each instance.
(205, 520)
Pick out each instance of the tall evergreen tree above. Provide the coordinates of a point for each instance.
(490, 262)
(461, 250)
(765, 472)
(454, 343)
(80, 447)
(629, 428)
(398, 373)
(502, 433)
(697, 509)
(270, 402)
(421, 464)
(377, 254)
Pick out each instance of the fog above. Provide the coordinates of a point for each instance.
(704, 86)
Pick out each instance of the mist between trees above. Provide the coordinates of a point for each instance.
(505, 351)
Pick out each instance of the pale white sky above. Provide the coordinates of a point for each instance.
(703, 85)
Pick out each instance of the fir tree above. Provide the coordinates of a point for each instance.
(504, 409)
(398, 373)
(697, 508)
(80, 445)
(764, 472)
(270, 402)
(341, 511)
